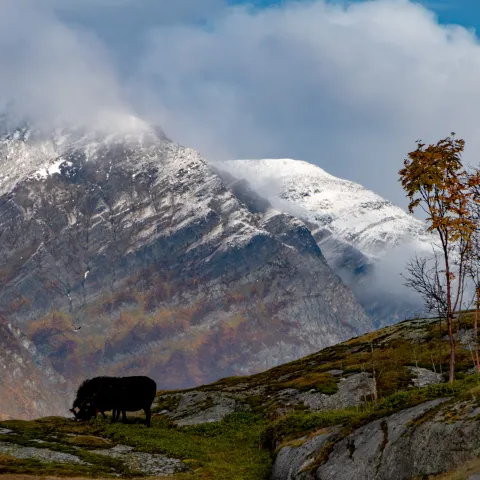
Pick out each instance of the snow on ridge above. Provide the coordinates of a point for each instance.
(350, 211)
(31, 153)
(50, 169)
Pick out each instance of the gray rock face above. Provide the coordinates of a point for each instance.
(29, 387)
(147, 463)
(203, 407)
(119, 253)
(414, 442)
(292, 462)
(196, 407)
(352, 391)
(424, 377)
(42, 454)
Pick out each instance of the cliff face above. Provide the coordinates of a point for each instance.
(128, 253)
(29, 387)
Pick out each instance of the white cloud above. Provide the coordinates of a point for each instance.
(52, 73)
(350, 89)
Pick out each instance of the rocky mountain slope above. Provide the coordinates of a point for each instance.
(365, 238)
(29, 387)
(128, 253)
(313, 418)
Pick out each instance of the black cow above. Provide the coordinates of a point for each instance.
(103, 390)
(121, 394)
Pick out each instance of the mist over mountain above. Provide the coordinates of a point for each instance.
(366, 239)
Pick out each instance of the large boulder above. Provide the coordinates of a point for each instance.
(428, 439)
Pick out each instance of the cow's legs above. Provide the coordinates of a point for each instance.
(148, 416)
(124, 416)
(116, 414)
(103, 414)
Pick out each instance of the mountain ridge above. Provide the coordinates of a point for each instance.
(366, 239)
(132, 254)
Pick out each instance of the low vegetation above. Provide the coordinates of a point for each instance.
(243, 444)
(223, 450)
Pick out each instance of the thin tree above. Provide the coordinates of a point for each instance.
(424, 277)
(473, 264)
(434, 179)
(374, 377)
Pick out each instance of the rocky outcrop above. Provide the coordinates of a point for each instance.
(150, 464)
(352, 391)
(129, 253)
(427, 439)
(293, 462)
(423, 377)
(196, 407)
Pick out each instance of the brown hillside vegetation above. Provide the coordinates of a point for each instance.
(235, 428)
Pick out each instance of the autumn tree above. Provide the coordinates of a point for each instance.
(435, 180)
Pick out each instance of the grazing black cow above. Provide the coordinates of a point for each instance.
(90, 389)
(137, 393)
(121, 394)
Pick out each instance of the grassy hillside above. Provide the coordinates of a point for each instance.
(243, 443)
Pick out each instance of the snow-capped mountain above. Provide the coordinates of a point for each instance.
(126, 253)
(364, 237)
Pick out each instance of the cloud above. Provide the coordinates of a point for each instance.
(51, 73)
(122, 23)
(349, 89)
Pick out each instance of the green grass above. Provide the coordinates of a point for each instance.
(230, 449)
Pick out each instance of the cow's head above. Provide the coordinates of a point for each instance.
(75, 408)
(84, 409)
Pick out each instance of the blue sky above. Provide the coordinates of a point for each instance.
(349, 88)
(463, 12)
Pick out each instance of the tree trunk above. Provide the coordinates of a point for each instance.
(451, 376)
(450, 316)
(475, 329)
(375, 393)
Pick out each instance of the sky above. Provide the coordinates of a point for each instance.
(348, 86)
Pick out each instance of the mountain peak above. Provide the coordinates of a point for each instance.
(169, 268)
(351, 211)
(30, 151)
(365, 238)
